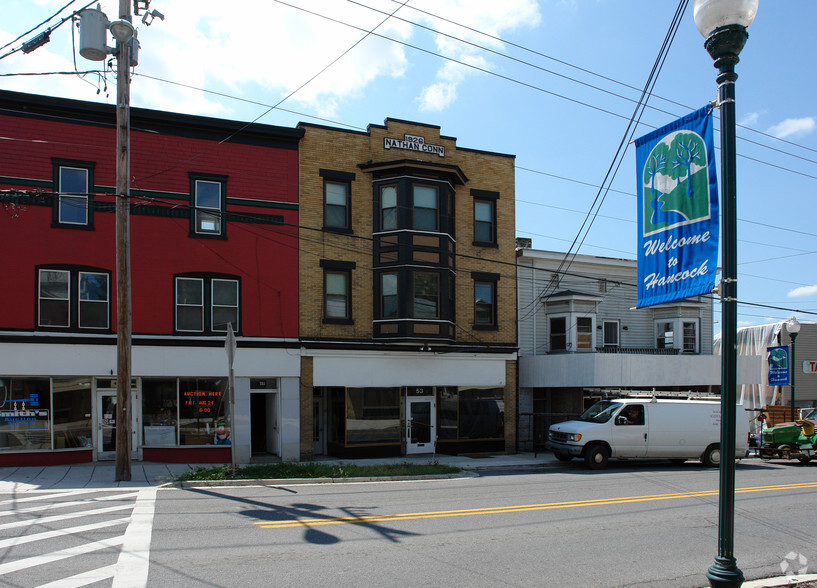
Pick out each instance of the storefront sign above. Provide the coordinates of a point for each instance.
(29, 417)
(677, 210)
(204, 402)
(413, 143)
(810, 367)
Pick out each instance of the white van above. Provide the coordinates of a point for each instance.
(629, 428)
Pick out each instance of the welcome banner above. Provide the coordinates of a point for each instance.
(677, 210)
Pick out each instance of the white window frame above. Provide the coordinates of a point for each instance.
(40, 298)
(73, 196)
(568, 346)
(202, 212)
(572, 332)
(696, 346)
(177, 304)
(213, 305)
(106, 301)
(574, 328)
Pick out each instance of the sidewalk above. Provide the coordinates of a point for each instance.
(144, 474)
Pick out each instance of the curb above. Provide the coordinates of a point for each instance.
(300, 481)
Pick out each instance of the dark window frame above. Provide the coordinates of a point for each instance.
(220, 212)
(88, 166)
(414, 208)
(345, 179)
(414, 296)
(488, 198)
(338, 267)
(490, 280)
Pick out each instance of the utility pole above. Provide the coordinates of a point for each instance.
(123, 283)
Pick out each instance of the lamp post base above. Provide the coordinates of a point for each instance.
(724, 573)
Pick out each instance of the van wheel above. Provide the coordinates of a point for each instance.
(596, 457)
(563, 456)
(712, 456)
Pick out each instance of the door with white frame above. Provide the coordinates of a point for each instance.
(421, 424)
(106, 424)
(105, 419)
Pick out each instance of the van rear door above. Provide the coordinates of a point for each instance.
(630, 431)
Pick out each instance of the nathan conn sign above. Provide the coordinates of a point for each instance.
(413, 143)
(677, 210)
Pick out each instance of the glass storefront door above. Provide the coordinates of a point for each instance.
(106, 424)
(421, 424)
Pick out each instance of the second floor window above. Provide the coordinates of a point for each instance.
(610, 333)
(336, 294)
(70, 298)
(206, 305)
(426, 295)
(558, 334)
(73, 203)
(690, 337)
(584, 332)
(388, 293)
(484, 305)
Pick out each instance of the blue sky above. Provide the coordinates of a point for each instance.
(553, 82)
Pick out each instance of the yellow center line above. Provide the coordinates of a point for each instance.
(366, 519)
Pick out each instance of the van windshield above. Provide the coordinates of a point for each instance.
(600, 412)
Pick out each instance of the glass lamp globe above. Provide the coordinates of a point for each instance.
(712, 14)
(793, 326)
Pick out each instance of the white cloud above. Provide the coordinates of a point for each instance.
(803, 291)
(793, 126)
(482, 21)
(265, 51)
(750, 119)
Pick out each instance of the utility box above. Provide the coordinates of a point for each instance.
(93, 34)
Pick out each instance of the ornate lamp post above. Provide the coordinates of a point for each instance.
(792, 327)
(723, 24)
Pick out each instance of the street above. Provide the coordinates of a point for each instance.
(635, 524)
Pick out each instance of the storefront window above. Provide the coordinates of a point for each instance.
(372, 416)
(25, 413)
(201, 410)
(481, 413)
(159, 412)
(72, 413)
(447, 414)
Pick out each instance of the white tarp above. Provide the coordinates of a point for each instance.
(754, 341)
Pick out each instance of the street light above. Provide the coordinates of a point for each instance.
(723, 24)
(792, 327)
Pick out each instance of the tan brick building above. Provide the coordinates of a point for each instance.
(407, 293)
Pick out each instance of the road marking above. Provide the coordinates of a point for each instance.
(134, 558)
(84, 502)
(367, 519)
(82, 579)
(22, 539)
(30, 562)
(45, 496)
(65, 517)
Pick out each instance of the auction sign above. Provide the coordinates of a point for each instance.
(677, 210)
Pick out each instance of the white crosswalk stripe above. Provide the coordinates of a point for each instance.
(48, 529)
